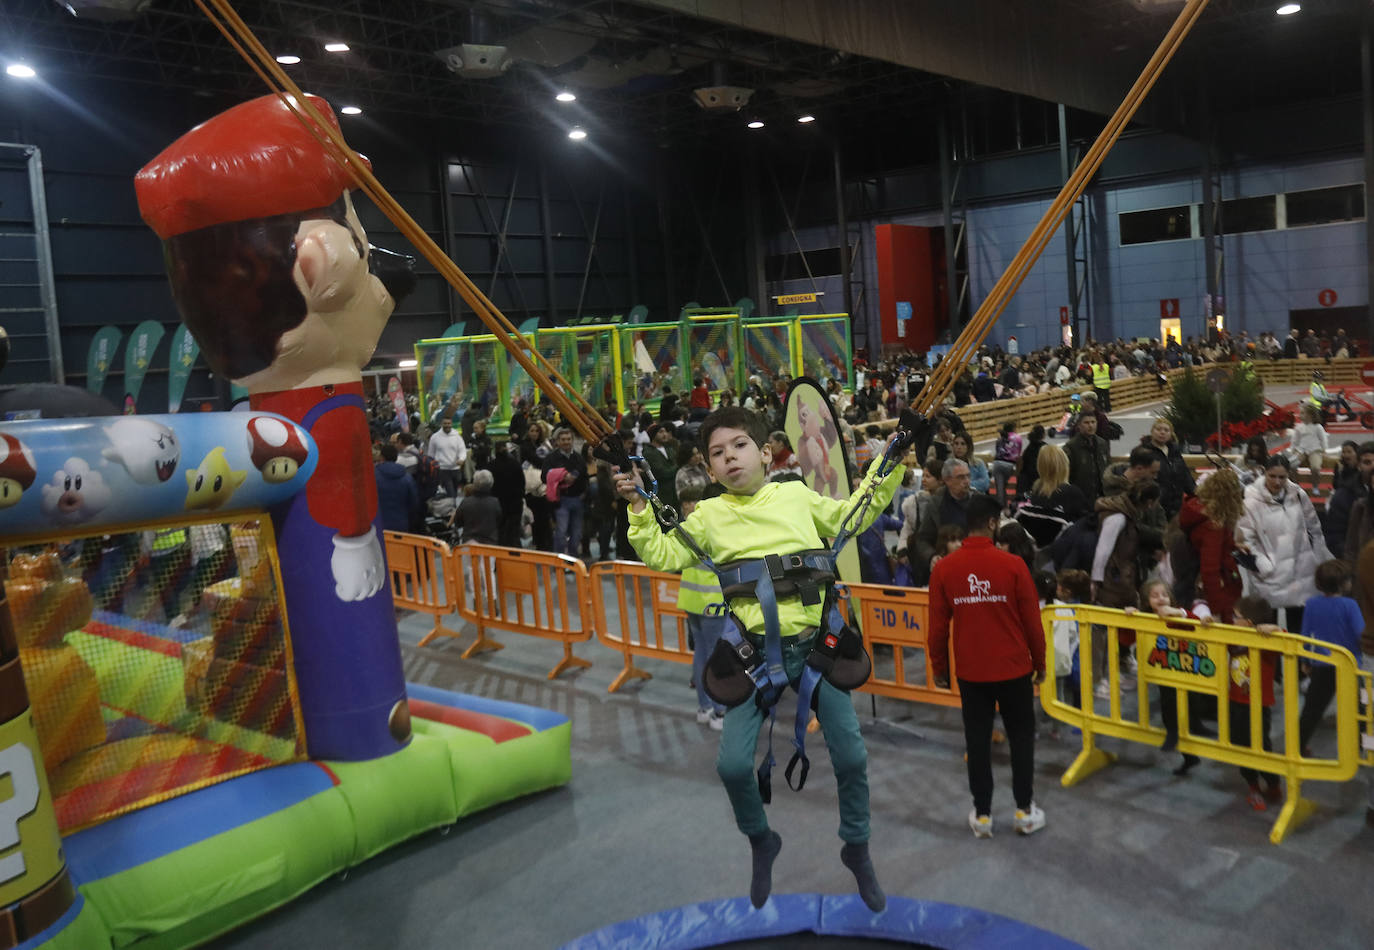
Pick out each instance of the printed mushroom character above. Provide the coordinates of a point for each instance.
(276, 449)
(17, 470)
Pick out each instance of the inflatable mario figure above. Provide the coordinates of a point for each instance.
(273, 275)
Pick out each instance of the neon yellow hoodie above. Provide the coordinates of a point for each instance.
(697, 590)
(780, 518)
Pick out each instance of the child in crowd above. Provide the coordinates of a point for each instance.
(948, 540)
(755, 518)
(1335, 618)
(1310, 443)
(1158, 598)
(1256, 612)
(697, 590)
(1071, 587)
(875, 560)
(1014, 539)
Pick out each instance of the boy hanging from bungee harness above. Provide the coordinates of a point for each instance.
(784, 624)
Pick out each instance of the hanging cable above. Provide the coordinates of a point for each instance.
(570, 403)
(942, 380)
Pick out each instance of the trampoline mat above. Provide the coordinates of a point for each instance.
(790, 921)
(821, 942)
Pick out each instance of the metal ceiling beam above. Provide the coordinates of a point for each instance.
(1040, 49)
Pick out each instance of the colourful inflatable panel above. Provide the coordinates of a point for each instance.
(182, 871)
(75, 475)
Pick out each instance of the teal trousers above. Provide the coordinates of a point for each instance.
(735, 762)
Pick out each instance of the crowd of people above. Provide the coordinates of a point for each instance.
(1245, 544)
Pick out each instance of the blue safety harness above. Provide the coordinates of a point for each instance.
(805, 573)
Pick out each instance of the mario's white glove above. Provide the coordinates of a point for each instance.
(358, 566)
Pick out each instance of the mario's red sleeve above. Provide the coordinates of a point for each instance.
(937, 639)
(342, 494)
(1028, 609)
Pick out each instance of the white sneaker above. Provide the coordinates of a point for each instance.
(1029, 822)
(1103, 690)
(716, 721)
(981, 824)
(703, 716)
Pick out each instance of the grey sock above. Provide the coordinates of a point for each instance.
(765, 848)
(856, 858)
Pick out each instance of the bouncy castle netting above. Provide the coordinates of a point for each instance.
(157, 662)
(436, 365)
(826, 353)
(454, 373)
(621, 364)
(586, 358)
(650, 359)
(767, 350)
(713, 343)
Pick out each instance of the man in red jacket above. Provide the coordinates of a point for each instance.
(1000, 654)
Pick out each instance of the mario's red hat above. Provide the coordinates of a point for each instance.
(255, 160)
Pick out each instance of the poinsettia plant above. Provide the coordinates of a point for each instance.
(1272, 419)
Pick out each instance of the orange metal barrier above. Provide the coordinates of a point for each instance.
(646, 602)
(890, 618)
(420, 580)
(530, 592)
(896, 618)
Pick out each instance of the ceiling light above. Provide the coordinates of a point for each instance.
(1288, 9)
(336, 47)
(565, 96)
(287, 59)
(803, 119)
(577, 135)
(20, 71)
(756, 124)
(351, 110)
(407, 364)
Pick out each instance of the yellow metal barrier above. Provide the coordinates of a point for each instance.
(530, 592)
(1195, 659)
(420, 579)
(651, 625)
(895, 617)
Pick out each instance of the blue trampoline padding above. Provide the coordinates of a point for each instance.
(712, 923)
(538, 719)
(150, 833)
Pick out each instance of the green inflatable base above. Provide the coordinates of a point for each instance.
(200, 891)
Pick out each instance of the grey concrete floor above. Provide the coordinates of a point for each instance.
(1131, 857)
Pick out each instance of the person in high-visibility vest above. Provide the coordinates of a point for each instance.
(1102, 383)
(1318, 396)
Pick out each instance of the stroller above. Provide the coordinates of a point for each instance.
(438, 510)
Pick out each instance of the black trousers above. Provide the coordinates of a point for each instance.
(1168, 712)
(1320, 688)
(1016, 700)
(1240, 735)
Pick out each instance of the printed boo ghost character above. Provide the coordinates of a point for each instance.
(148, 450)
(276, 449)
(17, 470)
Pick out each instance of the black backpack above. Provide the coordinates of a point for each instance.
(1076, 545)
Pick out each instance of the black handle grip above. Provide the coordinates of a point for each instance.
(612, 451)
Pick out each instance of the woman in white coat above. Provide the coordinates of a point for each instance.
(1280, 528)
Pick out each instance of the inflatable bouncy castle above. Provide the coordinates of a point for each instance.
(202, 710)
